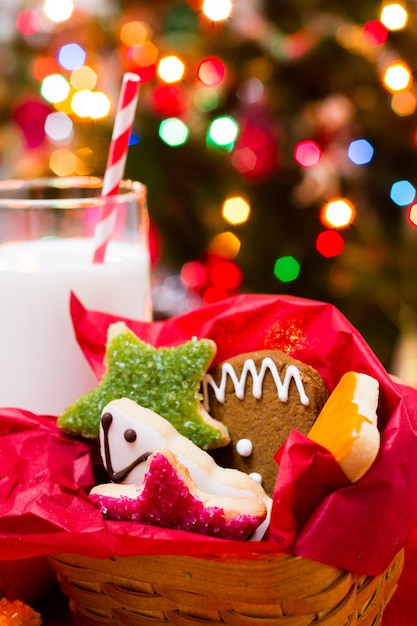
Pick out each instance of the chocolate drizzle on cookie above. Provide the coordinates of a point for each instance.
(118, 477)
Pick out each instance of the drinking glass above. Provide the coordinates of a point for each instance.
(47, 246)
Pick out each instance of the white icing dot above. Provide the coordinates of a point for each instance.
(244, 447)
(256, 477)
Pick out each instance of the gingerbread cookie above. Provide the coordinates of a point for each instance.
(261, 396)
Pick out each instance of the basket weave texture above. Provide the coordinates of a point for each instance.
(278, 590)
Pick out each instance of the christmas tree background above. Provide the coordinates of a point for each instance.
(284, 106)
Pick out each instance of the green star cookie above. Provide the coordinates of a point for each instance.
(165, 380)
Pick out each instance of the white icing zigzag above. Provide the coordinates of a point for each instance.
(292, 373)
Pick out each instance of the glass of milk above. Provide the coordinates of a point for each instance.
(46, 251)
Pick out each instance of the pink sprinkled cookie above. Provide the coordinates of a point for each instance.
(154, 469)
(168, 497)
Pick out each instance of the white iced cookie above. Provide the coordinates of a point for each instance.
(130, 434)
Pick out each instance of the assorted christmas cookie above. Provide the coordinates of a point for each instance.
(166, 380)
(347, 424)
(160, 477)
(261, 396)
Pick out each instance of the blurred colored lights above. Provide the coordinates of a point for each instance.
(133, 33)
(211, 71)
(329, 243)
(193, 275)
(144, 54)
(337, 213)
(28, 21)
(403, 103)
(83, 78)
(173, 132)
(225, 244)
(58, 11)
(412, 215)
(307, 153)
(394, 16)
(58, 127)
(171, 69)
(236, 210)
(397, 77)
(360, 152)
(224, 274)
(71, 56)
(217, 10)
(206, 99)
(43, 66)
(286, 269)
(55, 88)
(375, 33)
(223, 132)
(402, 192)
(168, 100)
(91, 104)
(63, 162)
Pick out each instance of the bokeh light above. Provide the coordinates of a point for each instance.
(360, 151)
(168, 100)
(394, 16)
(337, 213)
(206, 98)
(59, 127)
(173, 131)
(402, 192)
(93, 104)
(217, 10)
(193, 275)
(287, 269)
(71, 56)
(412, 215)
(223, 132)
(133, 33)
(141, 59)
(29, 21)
(256, 153)
(236, 210)
(397, 77)
(83, 78)
(211, 71)
(63, 162)
(375, 33)
(225, 244)
(144, 54)
(224, 274)
(44, 66)
(329, 243)
(55, 88)
(58, 11)
(307, 153)
(403, 103)
(171, 69)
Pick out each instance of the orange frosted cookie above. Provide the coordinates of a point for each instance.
(347, 424)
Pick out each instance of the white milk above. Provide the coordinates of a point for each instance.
(42, 368)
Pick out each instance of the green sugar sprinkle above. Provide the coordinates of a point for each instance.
(165, 380)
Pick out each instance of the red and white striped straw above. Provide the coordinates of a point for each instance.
(116, 161)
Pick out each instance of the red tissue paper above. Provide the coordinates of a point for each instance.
(317, 513)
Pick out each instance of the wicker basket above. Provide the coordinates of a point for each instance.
(190, 591)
